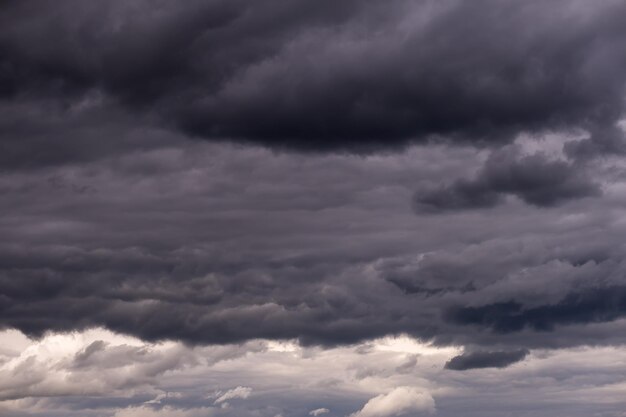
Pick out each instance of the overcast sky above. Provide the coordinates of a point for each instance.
(293, 208)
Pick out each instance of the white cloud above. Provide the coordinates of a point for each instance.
(164, 412)
(318, 412)
(399, 402)
(44, 377)
(239, 392)
(94, 362)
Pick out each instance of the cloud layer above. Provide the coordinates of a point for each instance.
(215, 244)
(351, 76)
(383, 377)
(202, 193)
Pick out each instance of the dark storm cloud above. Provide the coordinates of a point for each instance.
(110, 217)
(477, 360)
(326, 75)
(590, 306)
(215, 244)
(535, 179)
(604, 140)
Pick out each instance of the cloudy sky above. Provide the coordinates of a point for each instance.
(293, 208)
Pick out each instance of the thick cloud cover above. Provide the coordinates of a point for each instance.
(191, 174)
(228, 207)
(317, 75)
(215, 244)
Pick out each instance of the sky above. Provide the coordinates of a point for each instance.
(293, 208)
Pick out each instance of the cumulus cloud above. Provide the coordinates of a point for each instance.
(309, 375)
(75, 364)
(98, 363)
(400, 401)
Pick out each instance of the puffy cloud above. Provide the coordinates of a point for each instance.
(401, 401)
(292, 380)
(98, 363)
(82, 364)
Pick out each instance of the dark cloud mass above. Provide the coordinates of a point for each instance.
(592, 305)
(216, 244)
(326, 75)
(534, 179)
(477, 360)
(219, 171)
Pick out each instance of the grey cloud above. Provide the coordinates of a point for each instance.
(603, 141)
(356, 76)
(478, 360)
(83, 356)
(112, 217)
(535, 179)
(588, 306)
(215, 244)
(218, 172)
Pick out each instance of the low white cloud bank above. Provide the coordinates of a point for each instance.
(97, 373)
